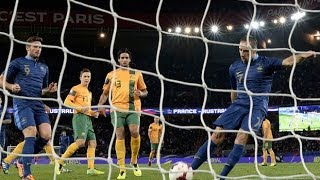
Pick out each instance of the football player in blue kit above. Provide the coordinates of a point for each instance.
(29, 77)
(236, 117)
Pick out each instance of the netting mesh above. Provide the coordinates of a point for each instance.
(162, 79)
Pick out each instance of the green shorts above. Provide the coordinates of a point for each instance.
(267, 145)
(124, 118)
(82, 127)
(154, 147)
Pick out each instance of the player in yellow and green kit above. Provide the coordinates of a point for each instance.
(267, 144)
(154, 133)
(127, 87)
(80, 98)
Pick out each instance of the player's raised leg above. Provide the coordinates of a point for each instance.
(236, 152)
(48, 149)
(80, 134)
(8, 160)
(201, 155)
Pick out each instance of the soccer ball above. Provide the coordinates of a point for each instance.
(180, 171)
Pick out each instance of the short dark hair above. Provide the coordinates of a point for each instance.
(252, 40)
(124, 50)
(84, 70)
(34, 38)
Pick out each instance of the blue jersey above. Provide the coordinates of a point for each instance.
(64, 141)
(30, 74)
(259, 80)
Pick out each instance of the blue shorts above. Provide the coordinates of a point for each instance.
(237, 116)
(32, 115)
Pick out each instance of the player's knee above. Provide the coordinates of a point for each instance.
(217, 137)
(46, 136)
(92, 144)
(241, 138)
(30, 131)
(81, 142)
(120, 133)
(134, 133)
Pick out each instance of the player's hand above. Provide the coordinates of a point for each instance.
(84, 109)
(15, 88)
(47, 108)
(137, 92)
(95, 114)
(102, 111)
(53, 87)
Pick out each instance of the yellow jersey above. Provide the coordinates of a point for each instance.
(155, 130)
(122, 93)
(78, 98)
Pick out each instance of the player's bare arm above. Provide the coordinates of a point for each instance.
(289, 61)
(103, 99)
(47, 108)
(149, 132)
(15, 88)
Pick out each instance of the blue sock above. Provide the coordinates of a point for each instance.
(20, 160)
(39, 144)
(233, 158)
(201, 155)
(28, 148)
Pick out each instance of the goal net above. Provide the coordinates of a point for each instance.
(184, 50)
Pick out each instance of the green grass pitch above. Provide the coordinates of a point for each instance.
(45, 172)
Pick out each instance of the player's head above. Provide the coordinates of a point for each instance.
(85, 76)
(64, 133)
(124, 57)
(156, 119)
(244, 50)
(34, 50)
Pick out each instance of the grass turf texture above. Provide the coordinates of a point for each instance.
(45, 172)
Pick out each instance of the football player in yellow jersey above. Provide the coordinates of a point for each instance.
(154, 133)
(267, 145)
(80, 98)
(126, 90)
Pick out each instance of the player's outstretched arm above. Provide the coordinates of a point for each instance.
(289, 61)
